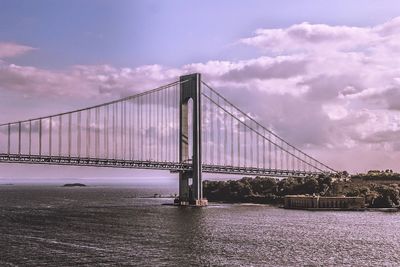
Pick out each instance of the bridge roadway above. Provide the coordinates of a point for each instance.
(153, 165)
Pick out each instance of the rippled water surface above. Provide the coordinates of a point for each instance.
(108, 226)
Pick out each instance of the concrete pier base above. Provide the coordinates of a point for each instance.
(200, 202)
(194, 203)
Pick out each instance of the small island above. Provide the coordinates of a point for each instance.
(74, 185)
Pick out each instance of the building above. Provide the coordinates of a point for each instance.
(324, 203)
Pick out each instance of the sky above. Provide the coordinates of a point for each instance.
(323, 75)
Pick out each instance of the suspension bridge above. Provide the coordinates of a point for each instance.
(185, 127)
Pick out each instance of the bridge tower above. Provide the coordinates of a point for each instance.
(190, 182)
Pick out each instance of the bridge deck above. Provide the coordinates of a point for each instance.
(154, 165)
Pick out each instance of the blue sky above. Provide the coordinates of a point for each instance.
(173, 33)
(328, 69)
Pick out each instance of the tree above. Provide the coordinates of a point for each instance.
(387, 197)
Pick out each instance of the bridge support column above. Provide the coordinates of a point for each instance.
(190, 182)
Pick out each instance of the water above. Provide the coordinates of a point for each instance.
(108, 226)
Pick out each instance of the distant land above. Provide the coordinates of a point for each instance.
(74, 185)
(380, 189)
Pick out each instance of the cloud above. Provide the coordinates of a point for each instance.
(306, 37)
(9, 50)
(268, 68)
(83, 81)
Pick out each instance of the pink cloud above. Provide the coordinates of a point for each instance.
(8, 50)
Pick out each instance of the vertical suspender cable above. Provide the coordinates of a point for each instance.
(95, 132)
(124, 123)
(263, 150)
(245, 143)
(212, 118)
(251, 148)
(150, 128)
(106, 128)
(140, 118)
(79, 135)
(105, 131)
(162, 126)
(287, 167)
(97, 118)
(173, 128)
(282, 155)
(122, 129)
(135, 126)
(69, 133)
(293, 159)
(238, 143)
(30, 137)
(269, 152)
(218, 144)
(9, 139)
(59, 135)
(88, 117)
(171, 122)
(130, 129)
(50, 134)
(117, 126)
(40, 137)
(113, 132)
(205, 119)
(175, 113)
(225, 138)
(141, 128)
(98, 132)
(147, 128)
(232, 155)
(19, 138)
(157, 126)
(170, 125)
(125, 131)
(276, 156)
(176, 127)
(257, 148)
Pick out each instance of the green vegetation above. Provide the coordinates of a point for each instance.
(376, 195)
(375, 175)
(271, 191)
(264, 190)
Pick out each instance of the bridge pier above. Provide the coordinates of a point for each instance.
(190, 183)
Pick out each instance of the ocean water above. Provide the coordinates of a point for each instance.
(115, 226)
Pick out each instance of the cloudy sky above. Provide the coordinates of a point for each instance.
(323, 75)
